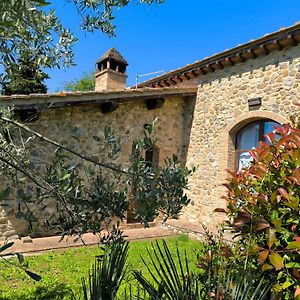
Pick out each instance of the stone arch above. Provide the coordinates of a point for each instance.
(252, 116)
(225, 158)
(228, 135)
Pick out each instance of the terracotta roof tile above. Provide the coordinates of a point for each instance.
(113, 54)
(281, 34)
(65, 98)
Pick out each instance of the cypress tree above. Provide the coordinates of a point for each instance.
(24, 76)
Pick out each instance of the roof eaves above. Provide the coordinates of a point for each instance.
(74, 98)
(268, 38)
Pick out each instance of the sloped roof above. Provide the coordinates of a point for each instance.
(278, 40)
(112, 53)
(63, 99)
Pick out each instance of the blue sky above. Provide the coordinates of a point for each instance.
(172, 34)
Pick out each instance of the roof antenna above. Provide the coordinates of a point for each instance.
(147, 74)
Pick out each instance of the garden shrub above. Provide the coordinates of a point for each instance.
(219, 274)
(225, 273)
(264, 210)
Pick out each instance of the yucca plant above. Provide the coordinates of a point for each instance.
(107, 273)
(233, 285)
(250, 288)
(172, 279)
(136, 292)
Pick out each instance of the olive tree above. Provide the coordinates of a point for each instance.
(89, 192)
(33, 24)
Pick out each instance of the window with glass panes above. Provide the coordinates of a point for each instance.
(247, 139)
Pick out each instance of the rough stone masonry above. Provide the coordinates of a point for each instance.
(201, 108)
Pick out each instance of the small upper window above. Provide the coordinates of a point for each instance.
(27, 115)
(152, 157)
(247, 139)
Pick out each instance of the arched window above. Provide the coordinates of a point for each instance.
(248, 137)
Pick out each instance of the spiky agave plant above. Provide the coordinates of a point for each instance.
(107, 273)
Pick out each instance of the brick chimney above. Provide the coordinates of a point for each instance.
(111, 71)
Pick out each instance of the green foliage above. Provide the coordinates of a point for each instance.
(13, 162)
(24, 76)
(226, 273)
(12, 159)
(5, 255)
(264, 208)
(27, 26)
(89, 194)
(107, 273)
(219, 275)
(83, 204)
(12, 153)
(241, 286)
(157, 189)
(66, 268)
(32, 25)
(85, 83)
(170, 279)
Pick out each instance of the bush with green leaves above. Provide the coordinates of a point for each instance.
(90, 193)
(264, 209)
(86, 82)
(225, 271)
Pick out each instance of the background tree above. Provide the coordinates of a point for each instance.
(85, 83)
(24, 77)
(31, 27)
(32, 24)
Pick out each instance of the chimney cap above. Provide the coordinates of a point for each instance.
(112, 53)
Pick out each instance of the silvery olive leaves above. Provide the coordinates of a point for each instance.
(71, 193)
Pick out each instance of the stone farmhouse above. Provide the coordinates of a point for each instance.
(210, 112)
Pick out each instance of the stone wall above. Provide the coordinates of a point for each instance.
(6, 229)
(128, 120)
(222, 109)
(201, 133)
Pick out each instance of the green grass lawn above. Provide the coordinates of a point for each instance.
(64, 269)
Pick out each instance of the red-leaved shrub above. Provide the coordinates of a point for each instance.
(264, 208)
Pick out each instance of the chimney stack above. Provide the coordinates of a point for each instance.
(111, 72)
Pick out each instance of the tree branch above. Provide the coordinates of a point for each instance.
(43, 138)
(27, 174)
